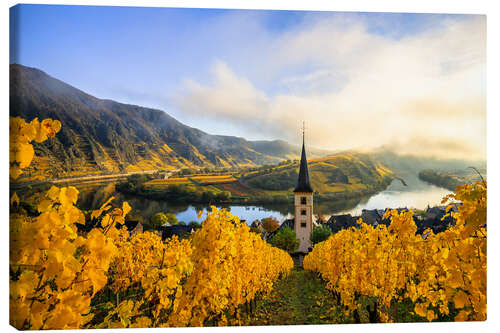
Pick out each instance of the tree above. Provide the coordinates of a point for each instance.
(270, 224)
(135, 181)
(320, 233)
(223, 196)
(171, 218)
(207, 196)
(195, 224)
(285, 239)
(160, 219)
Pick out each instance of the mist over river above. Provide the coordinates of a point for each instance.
(417, 194)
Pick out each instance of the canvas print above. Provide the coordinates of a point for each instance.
(177, 167)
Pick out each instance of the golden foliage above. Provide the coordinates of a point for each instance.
(189, 282)
(158, 267)
(21, 151)
(56, 271)
(231, 266)
(393, 264)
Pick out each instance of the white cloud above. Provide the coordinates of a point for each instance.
(356, 89)
(229, 96)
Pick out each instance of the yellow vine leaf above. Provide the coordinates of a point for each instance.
(126, 208)
(21, 151)
(391, 264)
(460, 299)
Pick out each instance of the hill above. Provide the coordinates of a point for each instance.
(101, 136)
(408, 167)
(342, 173)
(403, 164)
(450, 179)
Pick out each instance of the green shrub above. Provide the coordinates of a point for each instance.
(160, 219)
(320, 233)
(285, 239)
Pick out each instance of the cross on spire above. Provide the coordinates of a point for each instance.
(303, 131)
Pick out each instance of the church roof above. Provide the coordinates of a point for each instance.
(303, 184)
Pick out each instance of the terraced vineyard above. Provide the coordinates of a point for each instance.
(340, 173)
(204, 180)
(214, 183)
(337, 177)
(197, 180)
(162, 183)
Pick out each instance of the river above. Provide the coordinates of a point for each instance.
(417, 194)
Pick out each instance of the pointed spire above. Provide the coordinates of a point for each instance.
(303, 184)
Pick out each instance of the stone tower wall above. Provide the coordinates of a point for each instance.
(303, 223)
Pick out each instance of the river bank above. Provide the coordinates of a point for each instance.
(417, 194)
(237, 193)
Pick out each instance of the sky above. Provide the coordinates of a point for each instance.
(414, 83)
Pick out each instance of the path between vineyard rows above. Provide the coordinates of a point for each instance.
(300, 298)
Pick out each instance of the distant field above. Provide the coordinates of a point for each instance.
(221, 179)
(159, 183)
(215, 183)
(198, 180)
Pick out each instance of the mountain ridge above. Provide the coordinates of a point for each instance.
(105, 136)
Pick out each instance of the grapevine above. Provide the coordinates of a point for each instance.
(437, 272)
(56, 271)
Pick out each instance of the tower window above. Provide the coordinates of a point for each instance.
(303, 224)
(303, 212)
(303, 200)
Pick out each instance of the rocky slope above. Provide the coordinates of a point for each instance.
(104, 136)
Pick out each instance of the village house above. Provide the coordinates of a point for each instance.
(167, 231)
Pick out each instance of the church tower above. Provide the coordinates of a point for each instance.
(303, 204)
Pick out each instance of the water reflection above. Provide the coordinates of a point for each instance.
(417, 194)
